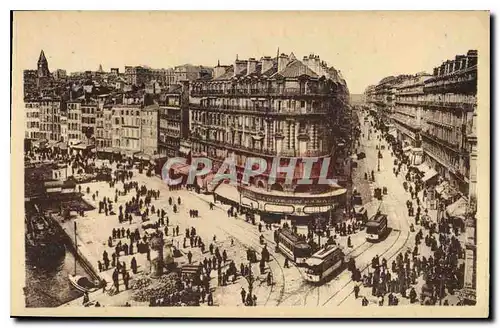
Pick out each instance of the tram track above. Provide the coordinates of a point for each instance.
(396, 252)
(257, 245)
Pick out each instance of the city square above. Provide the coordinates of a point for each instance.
(253, 182)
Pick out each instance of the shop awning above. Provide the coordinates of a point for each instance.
(407, 148)
(62, 145)
(105, 150)
(39, 143)
(142, 156)
(128, 153)
(431, 173)
(82, 146)
(228, 192)
(393, 133)
(417, 150)
(458, 208)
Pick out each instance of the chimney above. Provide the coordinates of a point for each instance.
(267, 63)
(239, 66)
(219, 70)
(282, 62)
(251, 65)
(471, 58)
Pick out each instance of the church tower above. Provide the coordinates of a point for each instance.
(43, 73)
(43, 66)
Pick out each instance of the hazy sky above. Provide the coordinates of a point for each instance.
(364, 46)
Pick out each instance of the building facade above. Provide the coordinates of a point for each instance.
(275, 107)
(189, 72)
(89, 117)
(449, 110)
(173, 121)
(74, 121)
(32, 110)
(407, 115)
(50, 128)
(149, 130)
(127, 127)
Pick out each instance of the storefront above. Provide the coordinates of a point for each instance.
(276, 205)
(428, 175)
(456, 212)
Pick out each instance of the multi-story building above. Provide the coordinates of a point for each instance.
(59, 74)
(127, 127)
(149, 130)
(99, 128)
(30, 82)
(275, 107)
(169, 77)
(137, 75)
(89, 115)
(50, 128)
(63, 119)
(173, 121)
(448, 114)
(74, 114)
(189, 72)
(407, 113)
(32, 110)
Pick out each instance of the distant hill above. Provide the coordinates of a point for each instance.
(357, 98)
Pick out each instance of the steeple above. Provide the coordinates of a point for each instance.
(43, 66)
(42, 58)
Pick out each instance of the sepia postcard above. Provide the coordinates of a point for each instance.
(313, 164)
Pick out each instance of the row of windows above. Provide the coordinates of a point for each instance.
(88, 110)
(88, 120)
(125, 112)
(128, 143)
(32, 114)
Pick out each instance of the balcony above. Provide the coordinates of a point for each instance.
(259, 110)
(285, 92)
(453, 147)
(253, 151)
(462, 81)
(407, 102)
(451, 105)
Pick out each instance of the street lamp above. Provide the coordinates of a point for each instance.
(250, 279)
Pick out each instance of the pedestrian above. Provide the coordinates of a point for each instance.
(210, 299)
(356, 291)
(103, 285)
(243, 295)
(190, 256)
(85, 298)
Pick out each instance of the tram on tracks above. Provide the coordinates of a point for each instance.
(376, 227)
(291, 246)
(324, 263)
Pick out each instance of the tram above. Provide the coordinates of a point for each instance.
(376, 227)
(323, 263)
(291, 246)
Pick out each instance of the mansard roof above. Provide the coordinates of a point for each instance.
(295, 69)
